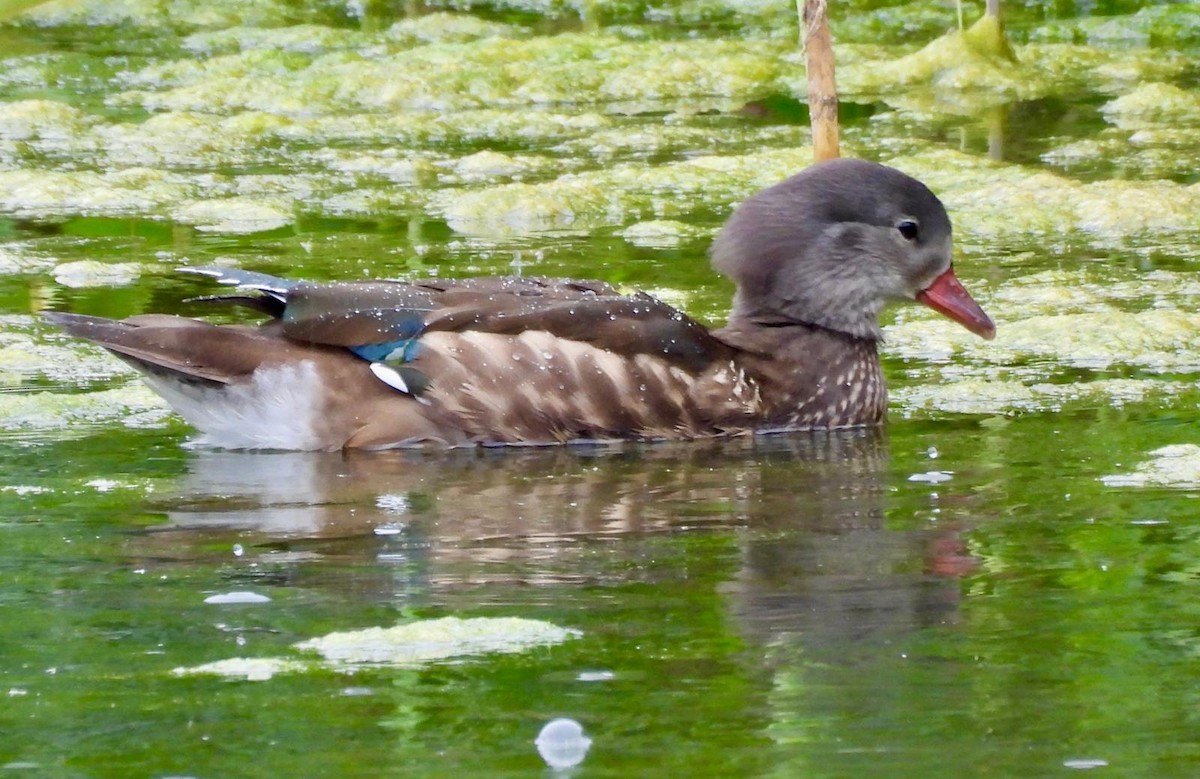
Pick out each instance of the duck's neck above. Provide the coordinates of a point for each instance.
(810, 375)
(857, 318)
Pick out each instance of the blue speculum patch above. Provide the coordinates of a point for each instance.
(404, 350)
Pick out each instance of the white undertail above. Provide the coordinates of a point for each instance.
(276, 409)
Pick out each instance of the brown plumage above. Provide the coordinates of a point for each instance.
(533, 361)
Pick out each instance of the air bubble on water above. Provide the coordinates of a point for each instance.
(932, 477)
(596, 676)
(225, 598)
(562, 743)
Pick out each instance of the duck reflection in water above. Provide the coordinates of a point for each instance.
(816, 556)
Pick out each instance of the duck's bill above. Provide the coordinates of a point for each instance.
(947, 296)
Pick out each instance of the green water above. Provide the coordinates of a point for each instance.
(1002, 583)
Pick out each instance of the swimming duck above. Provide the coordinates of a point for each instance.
(386, 364)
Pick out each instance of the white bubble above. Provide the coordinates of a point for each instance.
(596, 676)
(932, 477)
(562, 744)
(237, 597)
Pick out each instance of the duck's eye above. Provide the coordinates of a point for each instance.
(908, 228)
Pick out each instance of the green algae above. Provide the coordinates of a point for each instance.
(1176, 466)
(93, 273)
(394, 165)
(507, 194)
(78, 413)
(1144, 154)
(1155, 102)
(992, 396)
(1158, 340)
(497, 69)
(299, 38)
(890, 24)
(20, 259)
(977, 57)
(1067, 318)
(677, 136)
(617, 194)
(1150, 135)
(965, 72)
(190, 140)
(409, 645)
(995, 201)
(367, 201)
(250, 669)
(258, 103)
(492, 166)
(1050, 324)
(431, 640)
(531, 127)
(450, 28)
(753, 13)
(25, 120)
(9, 8)
(567, 68)
(234, 214)
(173, 13)
(61, 72)
(661, 233)
(456, 61)
(27, 354)
(1154, 25)
(49, 193)
(224, 68)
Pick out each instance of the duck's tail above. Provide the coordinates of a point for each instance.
(171, 347)
(247, 388)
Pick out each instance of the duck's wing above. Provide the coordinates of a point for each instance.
(384, 320)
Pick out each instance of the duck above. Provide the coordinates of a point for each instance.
(533, 361)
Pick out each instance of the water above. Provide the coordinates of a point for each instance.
(980, 589)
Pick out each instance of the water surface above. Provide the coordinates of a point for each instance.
(1001, 583)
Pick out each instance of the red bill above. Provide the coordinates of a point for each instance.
(947, 296)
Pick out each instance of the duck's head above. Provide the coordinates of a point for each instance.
(833, 244)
